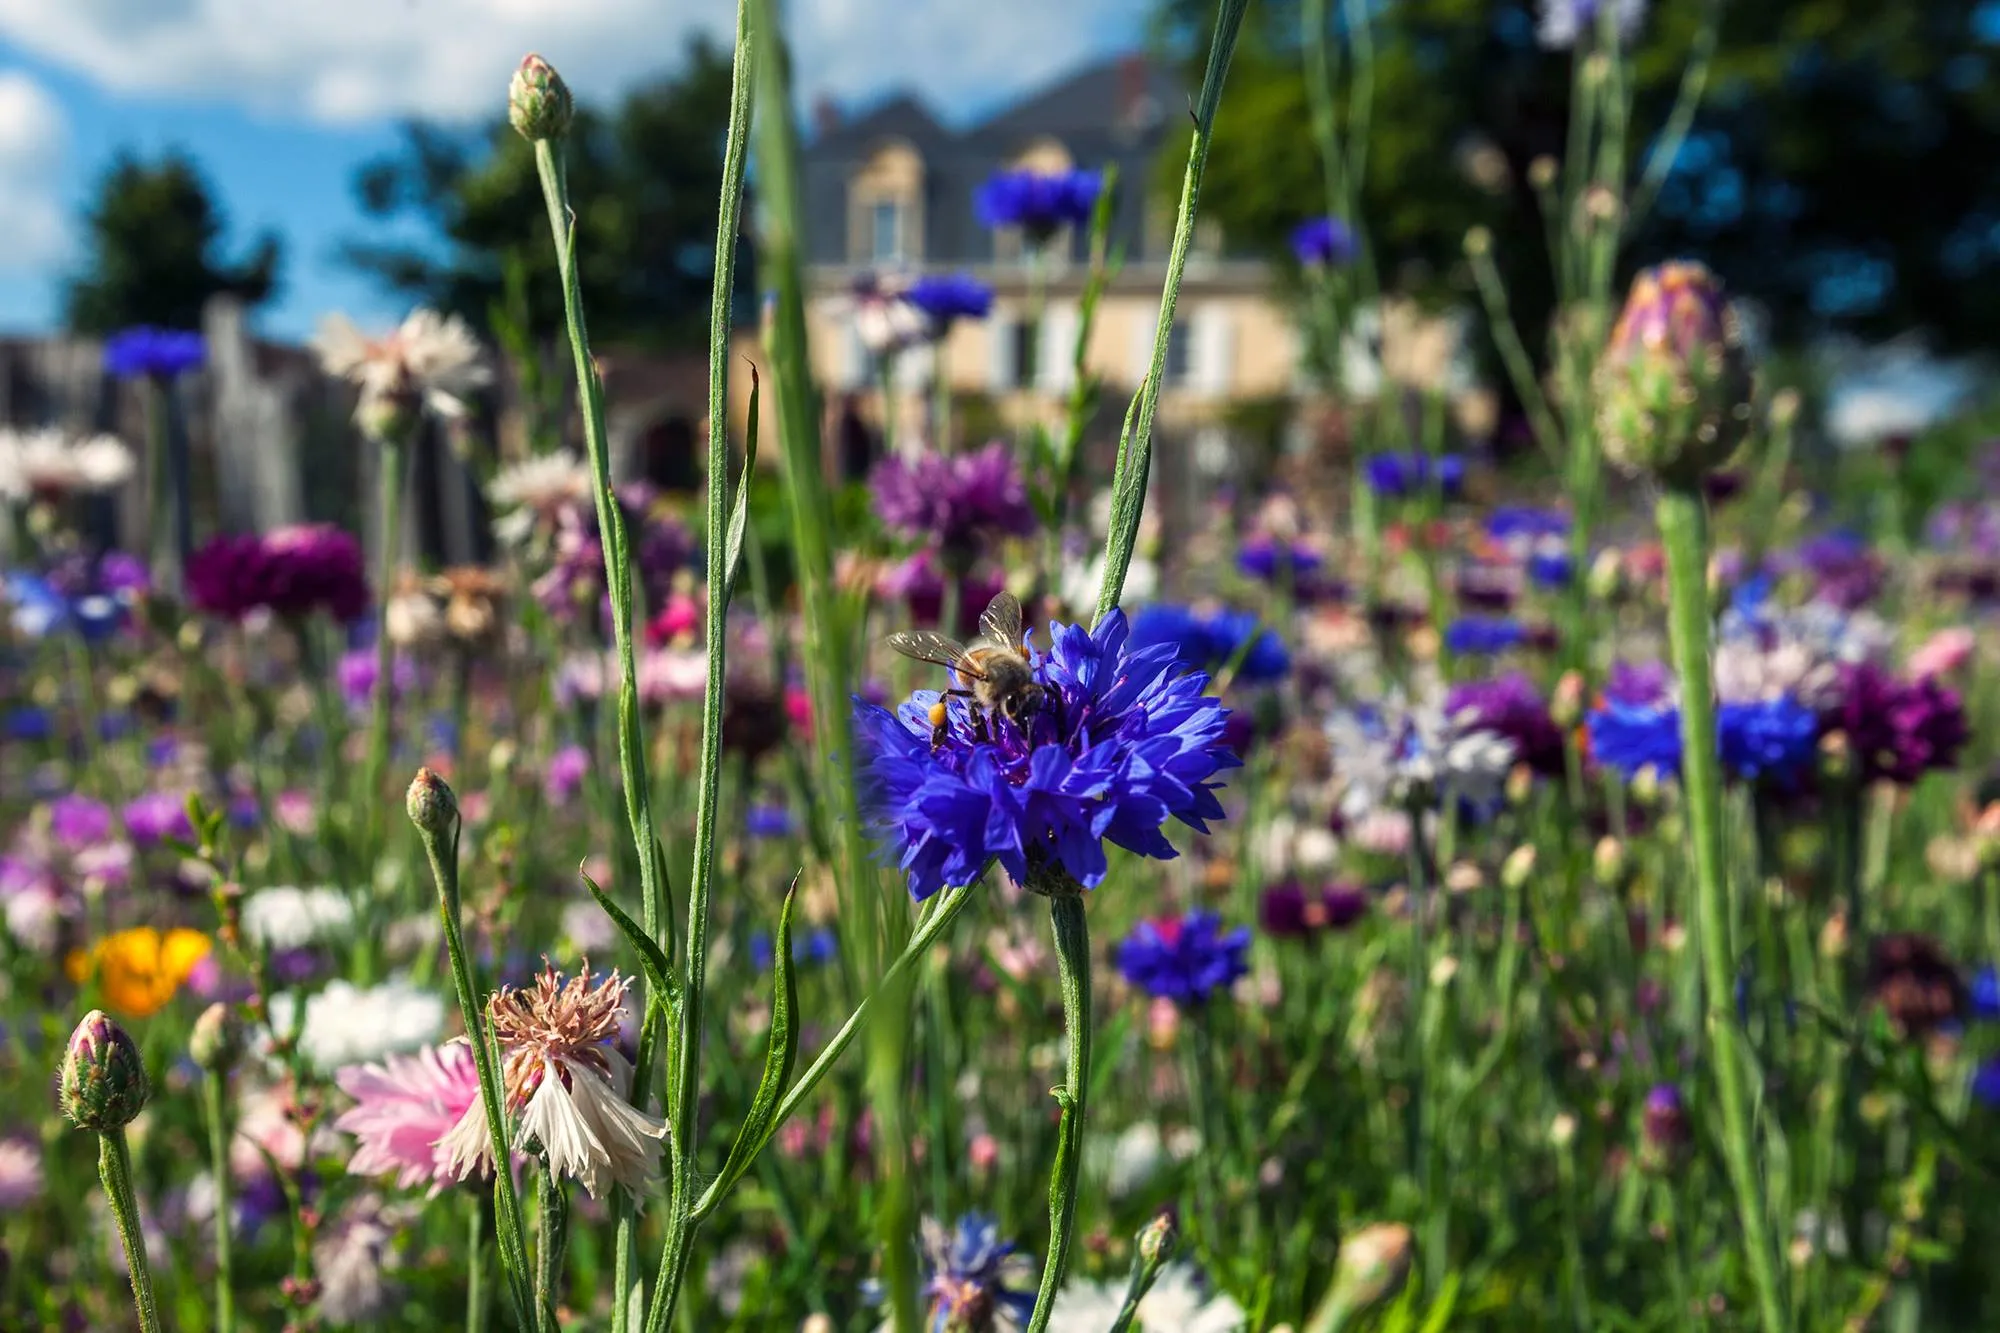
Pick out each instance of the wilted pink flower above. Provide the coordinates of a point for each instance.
(1943, 653)
(403, 1107)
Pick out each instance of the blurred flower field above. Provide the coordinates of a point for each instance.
(1437, 887)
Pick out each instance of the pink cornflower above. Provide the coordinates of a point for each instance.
(566, 1086)
(403, 1108)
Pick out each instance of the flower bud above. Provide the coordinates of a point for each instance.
(217, 1040)
(1542, 172)
(1645, 788)
(1606, 576)
(1478, 241)
(1607, 861)
(1663, 1129)
(433, 808)
(538, 102)
(103, 1084)
(1674, 385)
(1566, 700)
(1373, 1264)
(1519, 867)
(1158, 1238)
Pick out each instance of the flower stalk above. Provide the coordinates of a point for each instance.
(389, 505)
(1072, 937)
(114, 1168)
(1683, 524)
(434, 810)
(216, 1105)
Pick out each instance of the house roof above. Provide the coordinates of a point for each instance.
(1117, 111)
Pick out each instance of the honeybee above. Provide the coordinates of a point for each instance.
(993, 670)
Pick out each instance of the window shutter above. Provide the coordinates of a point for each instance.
(1211, 351)
(1000, 352)
(1143, 329)
(1058, 346)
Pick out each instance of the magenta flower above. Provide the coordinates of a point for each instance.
(157, 816)
(290, 571)
(960, 502)
(79, 822)
(403, 1106)
(566, 771)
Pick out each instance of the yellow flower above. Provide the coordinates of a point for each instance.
(139, 970)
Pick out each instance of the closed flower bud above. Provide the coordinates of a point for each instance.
(1519, 866)
(1158, 1238)
(1836, 759)
(1566, 700)
(1833, 937)
(103, 1084)
(1674, 386)
(1607, 861)
(1663, 1129)
(538, 101)
(1606, 576)
(1478, 241)
(1645, 786)
(1542, 172)
(217, 1039)
(1373, 1265)
(432, 807)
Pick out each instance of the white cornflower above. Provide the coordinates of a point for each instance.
(1768, 653)
(346, 1024)
(536, 490)
(49, 464)
(1176, 1304)
(1082, 578)
(566, 1086)
(1563, 21)
(1401, 751)
(1135, 1156)
(887, 324)
(431, 359)
(286, 917)
(350, 1258)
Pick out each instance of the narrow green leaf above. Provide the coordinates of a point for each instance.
(779, 1054)
(739, 517)
(659, 972)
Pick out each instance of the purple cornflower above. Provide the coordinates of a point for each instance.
(566, 771)
(960, 502)
(156, 353)
(1663, 1127)
(79, 822)
(1323, 243)
(1040, 205)
(356, 674)
(1843, 570)
(1899, 730)
(1185, 959)
(946, 297)
(1511, 706)
(1262, 558)
(974, 1282)
(290, 571)
(919, 584)
(1396, 475)
(157, 816)
(1124, 740)
(1637, 682)
(1483, 636)
(1290, 911)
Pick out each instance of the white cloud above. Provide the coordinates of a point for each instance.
(33, 136)
(357, 60)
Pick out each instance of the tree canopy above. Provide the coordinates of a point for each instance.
(644, 179)
(1839, 167)
(153, 251)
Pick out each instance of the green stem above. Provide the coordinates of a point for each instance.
(114, 1168)
(1072, 933)
(389, 504)
(509, 1229)
(218, 1165)
(1684, 532)
(552, 1243)
(1135, 450)
(476, 1303)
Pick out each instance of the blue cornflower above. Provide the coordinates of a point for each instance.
(1986, 994)
(817, 945)
(768, 821)
(1767, 739)
(1208, 642)
(1630, 736)
(1039, 204)
(1323, 242)
(1124, 740)
(1262, 557)
(975, 1282)
(1400, 474)
(1986, 1083)
(28, 723)
(1483, 636)
(158, 353)
(944, 297)
(1551, 568)
(1185, 959)
(39, 608)
(1508, 522)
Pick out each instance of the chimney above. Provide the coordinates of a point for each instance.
(825, 116)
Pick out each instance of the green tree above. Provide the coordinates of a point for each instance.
(154, 251)
(645, 177)
(1839, 168)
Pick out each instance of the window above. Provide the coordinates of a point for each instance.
(1024, 354)
(885, 231)
(1178, 354)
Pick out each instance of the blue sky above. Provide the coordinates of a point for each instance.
(279, 105)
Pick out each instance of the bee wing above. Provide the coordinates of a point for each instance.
(938, 649)
(1000, 622)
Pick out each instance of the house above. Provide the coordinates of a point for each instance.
(890, 195)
